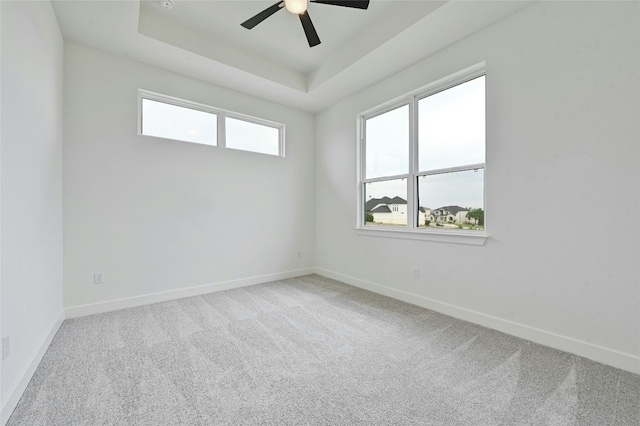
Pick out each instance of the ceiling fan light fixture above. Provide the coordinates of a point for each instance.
(296, 6)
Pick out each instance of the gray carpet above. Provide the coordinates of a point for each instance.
(311, 351)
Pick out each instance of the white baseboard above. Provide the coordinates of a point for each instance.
(18, 389)
(146, 299)
(623, 361)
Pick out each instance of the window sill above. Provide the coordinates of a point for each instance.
(455, 237)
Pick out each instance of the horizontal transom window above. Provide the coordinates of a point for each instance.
(178, 119)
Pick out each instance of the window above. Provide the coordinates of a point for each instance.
(251, 136)
(422, 160)
(171, 118)
(169, 121)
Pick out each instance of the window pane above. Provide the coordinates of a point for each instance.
(451, 126)
(174, 122)
(387, 143)
(252, 137)
(452, 200)
(386, 203)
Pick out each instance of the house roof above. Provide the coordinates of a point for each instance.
(372, 203)
(381, 209)
(453, 209)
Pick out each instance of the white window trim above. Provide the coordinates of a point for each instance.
(412, 232)
(221, 114)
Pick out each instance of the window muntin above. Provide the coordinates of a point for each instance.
(249, 136)
(172, 118)
(169, 121)
(446, 156)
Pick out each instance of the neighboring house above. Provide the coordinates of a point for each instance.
(450, 214)
(423, 215)
(392, 211)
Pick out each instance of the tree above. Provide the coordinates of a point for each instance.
(368, 217)
(477, 215)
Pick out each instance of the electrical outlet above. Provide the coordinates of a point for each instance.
(98, 277)
(6, 347)
(416, 272)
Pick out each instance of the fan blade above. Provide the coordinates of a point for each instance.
(358, 4)
(252, 22)
(309, 29)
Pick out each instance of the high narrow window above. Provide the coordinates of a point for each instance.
(422, 159)
(171, 118)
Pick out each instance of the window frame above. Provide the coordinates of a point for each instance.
(221, 115)
(412, 231)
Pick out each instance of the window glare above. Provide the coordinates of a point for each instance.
(251, 136)
(452, 126)
(174, 122)
(387, 147)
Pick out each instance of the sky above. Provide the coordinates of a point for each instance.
(452, 127)
(251, 137)
(185, 124)
(387, 143)
(173, 122)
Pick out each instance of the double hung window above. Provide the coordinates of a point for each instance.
(422, 160)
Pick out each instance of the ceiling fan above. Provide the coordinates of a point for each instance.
(299, 7)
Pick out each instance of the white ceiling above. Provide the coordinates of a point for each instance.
(203, 39)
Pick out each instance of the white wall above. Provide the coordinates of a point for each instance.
(562, 147)
(31, 209)
(158, 215)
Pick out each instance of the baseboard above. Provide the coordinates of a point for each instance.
(18, 389)
(146, 299)
(623, 361)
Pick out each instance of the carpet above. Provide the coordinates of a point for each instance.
(311, 351)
